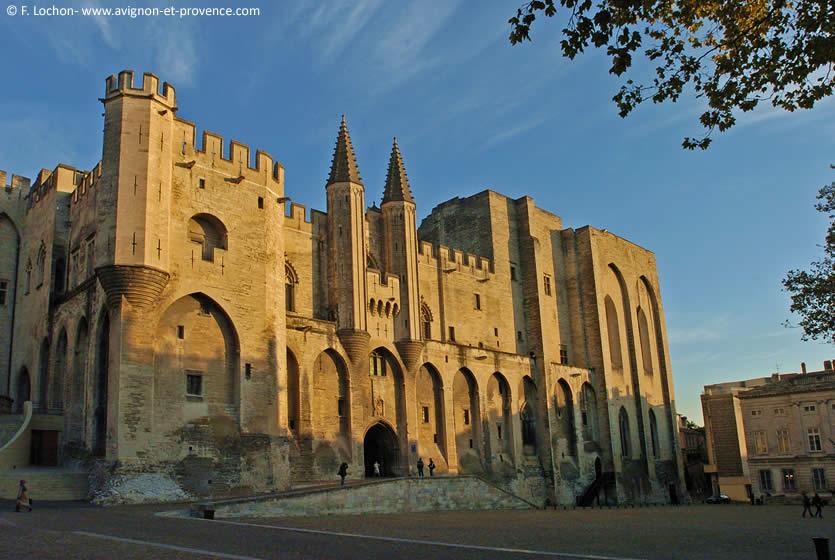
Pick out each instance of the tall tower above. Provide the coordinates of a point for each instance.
(401, 246)
(133, 200)
(346, 247)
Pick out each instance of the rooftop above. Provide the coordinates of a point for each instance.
(794, 383)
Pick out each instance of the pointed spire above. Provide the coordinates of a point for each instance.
(397, 183)
(344, 165)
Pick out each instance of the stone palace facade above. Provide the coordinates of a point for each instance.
(179, 315)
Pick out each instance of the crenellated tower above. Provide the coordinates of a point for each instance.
(346, 247)
(401, 248)
(133, 200)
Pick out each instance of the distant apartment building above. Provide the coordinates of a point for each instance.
(694, 457)
(772, 436)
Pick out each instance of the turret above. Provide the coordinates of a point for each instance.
(346, 247)
(401, 248)
(133, 200)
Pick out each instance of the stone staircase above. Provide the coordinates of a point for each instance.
(395, 495)
(45, 484)
(301, 460)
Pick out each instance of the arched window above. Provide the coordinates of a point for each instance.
(646, 348)
(565, 414)
(613, 329)
(653, 432)
(290, 281)
(377, 364)
(528, 426)
(588, 406)
(40, 265)
(625, 438)
(208, 232)
(426, 321)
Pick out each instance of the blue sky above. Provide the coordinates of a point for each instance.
(470, 112)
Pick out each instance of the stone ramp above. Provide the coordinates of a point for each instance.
(9, 425)
(45, 484)
(398, 495)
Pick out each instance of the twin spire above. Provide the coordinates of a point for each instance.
(344, 165)
(397, 183)
(344, 168)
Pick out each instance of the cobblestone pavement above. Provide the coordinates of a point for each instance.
(691, 532)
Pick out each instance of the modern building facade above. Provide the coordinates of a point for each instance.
(772, 436)
(182, 317)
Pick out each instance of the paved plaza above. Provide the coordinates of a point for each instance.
(690, 532)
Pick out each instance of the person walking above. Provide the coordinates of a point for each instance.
(817, 501)
(23, 497)
(377, 468)
(420, 467)
(807, 505)
(431, 467)
(343, 472)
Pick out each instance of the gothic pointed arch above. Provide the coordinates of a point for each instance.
(467, 419)
(40, 265)
(432, 429)
(588, 412)
(653, 431)
(330, 410)
(425, 321)
(566, 428)
(498, 410)
(625, 433)
(291, 280)
(662, 358)
(196, 372)
(646, 345)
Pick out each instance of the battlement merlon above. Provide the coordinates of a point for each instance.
(16, 182)
(123, 85)
(236, 157)
(442, 255)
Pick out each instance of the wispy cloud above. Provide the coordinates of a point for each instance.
(519, 128)
(102, 23)
(712, 329)
(334, 26)
(175, 54)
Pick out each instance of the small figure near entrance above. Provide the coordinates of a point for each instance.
(343, 472)
(376, 468)
(818, 503)
(23, 497)
(807, 505)
(431, 467)
(420, 467)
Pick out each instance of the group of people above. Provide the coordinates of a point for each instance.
(343, 469)
(816, 501)
(420, 467)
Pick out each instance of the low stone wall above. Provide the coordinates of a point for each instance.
(386, 496)
(44, 484)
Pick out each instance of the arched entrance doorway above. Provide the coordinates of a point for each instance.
(381, 444)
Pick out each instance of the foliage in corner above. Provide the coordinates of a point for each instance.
(813, 291)
(734, 54)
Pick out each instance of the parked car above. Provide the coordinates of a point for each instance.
(718, 499)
